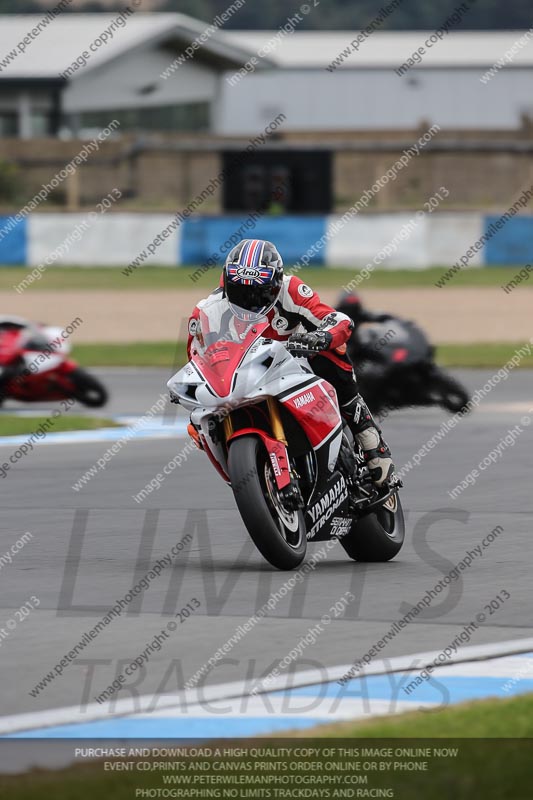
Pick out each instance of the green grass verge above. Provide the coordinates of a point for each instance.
(498, 768)
(497, 719)
(136, 354)
(12, 425)
(479, 354)
(170, 354)
(144, 278)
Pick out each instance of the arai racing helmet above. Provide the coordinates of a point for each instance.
(253, 276)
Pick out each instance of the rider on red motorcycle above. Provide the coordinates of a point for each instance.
(12, 323)
(25, 328)
(253, 279)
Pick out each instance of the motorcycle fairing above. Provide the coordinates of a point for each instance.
(39, 362)
(46, 351)
(43, 385)
(217, 459)
(328, 514)
(10, 343)
(44, 368)
(213, 447)
(266, 369)
(393, 341)
(316, 408)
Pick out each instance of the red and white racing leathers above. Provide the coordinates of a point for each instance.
(297, 305)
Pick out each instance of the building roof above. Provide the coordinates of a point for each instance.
(386, 48)
(62, 41)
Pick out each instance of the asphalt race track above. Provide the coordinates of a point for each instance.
(91, 546)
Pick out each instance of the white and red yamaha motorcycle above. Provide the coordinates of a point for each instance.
(274, 432)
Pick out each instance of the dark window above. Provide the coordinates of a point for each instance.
(8, 123)
(278, 181)
(186, 117)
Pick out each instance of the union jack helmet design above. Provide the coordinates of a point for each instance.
(253, 275)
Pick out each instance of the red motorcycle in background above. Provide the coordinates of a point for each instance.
(34, 360)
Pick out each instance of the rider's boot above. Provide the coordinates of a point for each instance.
(368, 435)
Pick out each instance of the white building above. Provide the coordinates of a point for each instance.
(122, 78)
(71, 76)
(366, 93)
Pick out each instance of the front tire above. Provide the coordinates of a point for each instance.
(378, 536)
(279, 535)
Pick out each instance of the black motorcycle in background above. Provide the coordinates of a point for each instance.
(395, 366)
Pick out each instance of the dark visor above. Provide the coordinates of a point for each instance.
(251, 298)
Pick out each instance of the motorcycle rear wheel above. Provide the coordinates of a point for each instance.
(378, 536)
(448, 392)
(279, 535)
(87, 389)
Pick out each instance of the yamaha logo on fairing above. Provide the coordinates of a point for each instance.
(248, 272)
(324, 508)
(304, 399)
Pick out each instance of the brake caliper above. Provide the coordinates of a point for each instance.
(291, 496)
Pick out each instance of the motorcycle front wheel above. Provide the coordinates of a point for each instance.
(278, 534)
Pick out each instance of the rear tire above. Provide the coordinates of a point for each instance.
(378, 536)
(449, 393)
(282, 542)
(88, 390)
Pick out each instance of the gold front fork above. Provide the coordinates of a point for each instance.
(275, 420)
(228, 427)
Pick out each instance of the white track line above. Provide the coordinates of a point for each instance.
(175, 431)
(225, 691)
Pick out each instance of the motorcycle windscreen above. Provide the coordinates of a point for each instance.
(221, 341)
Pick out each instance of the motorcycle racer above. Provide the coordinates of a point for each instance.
(350, 303)
(13, 323)
(253, 279)
(34, 365)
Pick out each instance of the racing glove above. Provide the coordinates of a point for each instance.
(307, 343)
